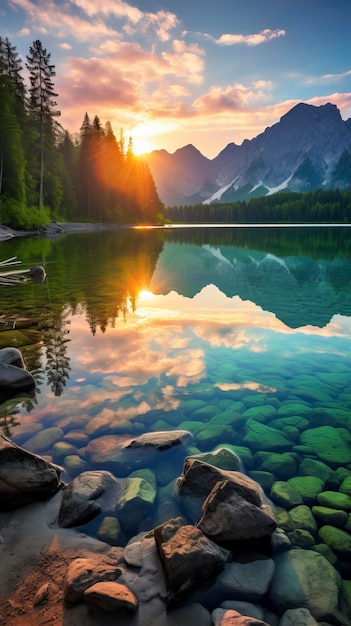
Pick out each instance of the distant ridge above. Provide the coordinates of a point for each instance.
(308, 149)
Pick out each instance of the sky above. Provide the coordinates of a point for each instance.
(175, 72)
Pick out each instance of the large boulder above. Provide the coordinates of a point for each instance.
(199, 478)
(86, 496)
(306, 579)
(111, 597)
(228, 517)
(189, 558)
(24, 477)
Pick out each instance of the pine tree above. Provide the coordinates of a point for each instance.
(42, 101)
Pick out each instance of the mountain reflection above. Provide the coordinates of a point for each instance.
(303, 276)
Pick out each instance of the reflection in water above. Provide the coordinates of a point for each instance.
(213, 335)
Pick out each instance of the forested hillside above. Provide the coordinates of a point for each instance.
(45, 174)
(321, 206)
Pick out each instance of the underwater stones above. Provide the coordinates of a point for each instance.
(188, 558)
(135, 501)
(308, 486)
(301, 538)
(335, 500)
(337, 539)
(298, 617)
(345, 486)
(109, 530)
(86, 496)
(24, 477)
(313, 467)
(244, 454)
(159, 440)
(222, 458)
(60, 449)
(302, 517)
(43, 440)
(260, 413)
(261, 437)
(328, 516)
(328, 445)
(282, 465)
(284, 494)
(227, 517)
(74, 465)
(82, 573)
(304, 578)
(265, 479)
(214, 433)
(301, 423)
(289, 409)
(244, 581)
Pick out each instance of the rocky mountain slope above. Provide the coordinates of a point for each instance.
(308, 149)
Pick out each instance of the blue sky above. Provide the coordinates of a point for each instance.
(188, 71)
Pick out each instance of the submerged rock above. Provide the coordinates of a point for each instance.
(328, 444)
(24, 477)
(304, 578)
(228, 517)
(86, 496)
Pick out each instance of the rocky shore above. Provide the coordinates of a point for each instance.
(231, 566)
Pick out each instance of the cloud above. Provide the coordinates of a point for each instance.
(254, 39)
(65, 46)
(337, 76)
(232, 98)
(117, 8)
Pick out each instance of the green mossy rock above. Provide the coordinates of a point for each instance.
(75, 465)
(337, 539)
(301, 423)
(301, 538)
(205, 413)
(335, 500)
(313, 467)
(265, 479)
(146, 474)
(345, 486)
(223, 458)
(62, 449)
(213, 434)
(244, 454)
(328, 445)
(284, 520)
(330, 517)
(327, 552)
(135, 502)
(192, 426)
(292, 408)
(302, 518)
(308, 486)
(44, 440)
(261, 437)
(285, 495)
(110, 531)
(281, 465)
(260, 413)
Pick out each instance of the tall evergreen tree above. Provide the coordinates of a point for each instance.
(42, 102)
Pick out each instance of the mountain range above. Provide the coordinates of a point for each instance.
(308, 149)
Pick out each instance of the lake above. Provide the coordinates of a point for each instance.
(241, 336)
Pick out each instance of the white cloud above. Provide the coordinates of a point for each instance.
(250, 40)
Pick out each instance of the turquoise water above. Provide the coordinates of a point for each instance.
(240, 336)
